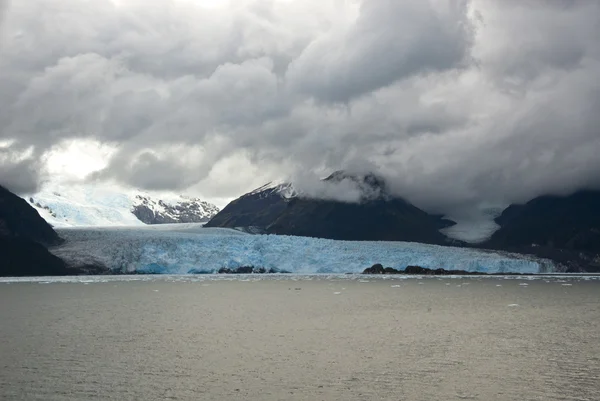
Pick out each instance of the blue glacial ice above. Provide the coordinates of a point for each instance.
(190, 248)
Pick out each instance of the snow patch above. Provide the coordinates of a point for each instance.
(285, 189)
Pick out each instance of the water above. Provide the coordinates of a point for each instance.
(300, 338)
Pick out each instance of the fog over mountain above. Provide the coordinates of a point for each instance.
(456, 103)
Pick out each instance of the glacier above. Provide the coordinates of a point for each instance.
(191, 248)
(476, 227)
(470, 231)
(69, 206)
(92, 205)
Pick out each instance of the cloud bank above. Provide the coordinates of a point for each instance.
(455, 102)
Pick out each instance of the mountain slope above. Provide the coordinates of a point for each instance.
(569, 222)
(565, 229)
(172, 210)
(376, 215)
(24, 236)
(85, 205)
(378, 220)
(258, 208)
(19, 220)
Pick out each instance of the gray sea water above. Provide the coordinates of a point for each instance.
(300, 338)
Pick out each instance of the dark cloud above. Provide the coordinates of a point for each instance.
(20, 175)
(389, 41)
(458, 103)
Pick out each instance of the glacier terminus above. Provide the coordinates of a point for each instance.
(191, 248)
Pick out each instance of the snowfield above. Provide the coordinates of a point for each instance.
(190, 248)
(84, 206)
(89, 205)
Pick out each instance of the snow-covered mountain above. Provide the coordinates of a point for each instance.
(174, 210)
(84, 205)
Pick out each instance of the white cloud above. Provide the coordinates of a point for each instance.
(456, 102)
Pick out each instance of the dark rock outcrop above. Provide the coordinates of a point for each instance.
(24, 236)
(379, 269)
(375, 269)
(376, 216)
(420, 271)
(144, 214)
(249, 270)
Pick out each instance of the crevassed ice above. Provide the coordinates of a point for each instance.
(181, 249)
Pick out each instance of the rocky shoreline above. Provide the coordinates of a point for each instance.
(376, 269)
(423, 271)
(250, 270)
(373, 270)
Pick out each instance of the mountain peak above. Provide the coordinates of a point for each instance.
(182, 210)
(370, 186)
(284, 189)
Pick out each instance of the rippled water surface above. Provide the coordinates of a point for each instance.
(300, 338)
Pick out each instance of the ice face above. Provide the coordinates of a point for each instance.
(190, 248)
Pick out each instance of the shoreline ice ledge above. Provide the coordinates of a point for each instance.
(190, 248)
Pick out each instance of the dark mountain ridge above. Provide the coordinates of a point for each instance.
(569, 222)
(24, 236)
(563, 228)
(19, 220)
(376, 216)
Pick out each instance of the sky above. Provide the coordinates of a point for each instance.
(456, 103)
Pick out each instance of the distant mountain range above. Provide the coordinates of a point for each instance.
(98, 206)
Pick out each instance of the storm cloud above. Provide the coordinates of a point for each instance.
(455, 102)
